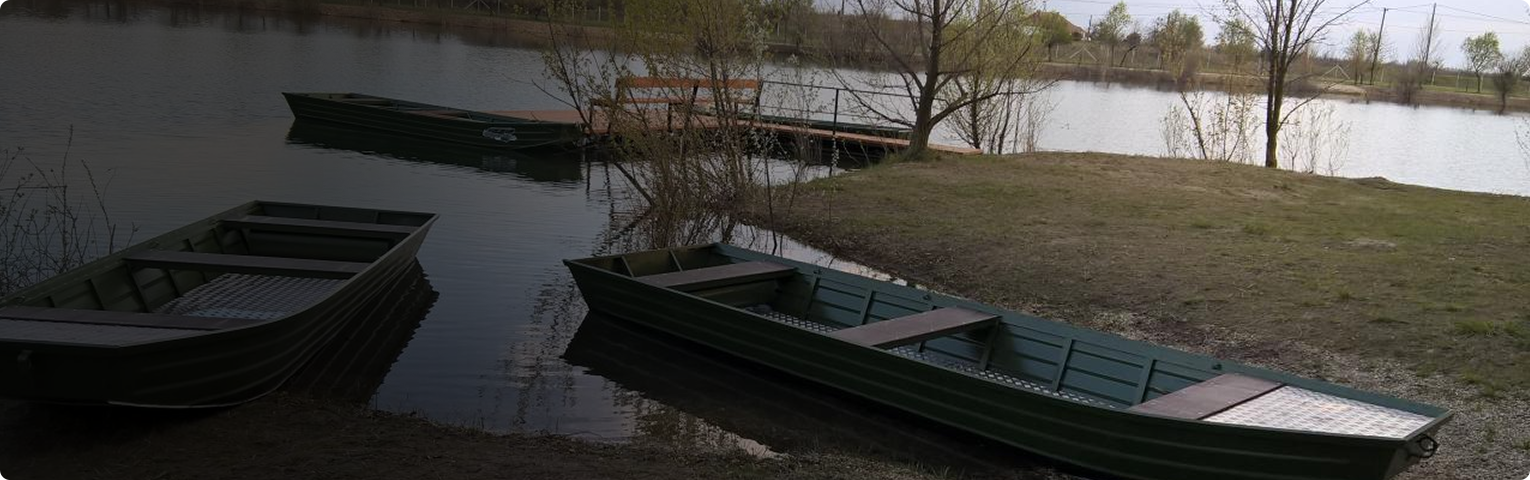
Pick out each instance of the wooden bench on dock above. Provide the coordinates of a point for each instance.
(675, 92)
(916, 328)
(719, 276)
(1208, 398)
(248, 264)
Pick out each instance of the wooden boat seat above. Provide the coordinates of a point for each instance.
(1208, 398)
(911, 329)
(719, 276)
(321, 227)
(128, 319)
(249, 264)
(446, 114)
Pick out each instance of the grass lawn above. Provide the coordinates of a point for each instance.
(1434, 279)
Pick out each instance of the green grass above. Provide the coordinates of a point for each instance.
(1432, 278)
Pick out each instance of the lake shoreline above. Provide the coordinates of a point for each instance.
(1363, 282)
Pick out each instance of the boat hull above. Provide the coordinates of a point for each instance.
(207, 369)
(1116, 441)
(462, 127)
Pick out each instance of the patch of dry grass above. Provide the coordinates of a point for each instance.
(1411, 291)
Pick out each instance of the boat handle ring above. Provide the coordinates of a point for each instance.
(1426, 446)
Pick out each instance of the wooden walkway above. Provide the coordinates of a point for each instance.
(602, 126)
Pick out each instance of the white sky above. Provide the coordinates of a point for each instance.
(1406, 18)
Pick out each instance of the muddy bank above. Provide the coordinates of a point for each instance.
(292, 436)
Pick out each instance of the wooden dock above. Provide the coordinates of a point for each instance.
(602, 126)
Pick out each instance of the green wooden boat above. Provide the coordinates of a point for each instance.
(216, 313)
(352, 366)
(1096, 400)
(434, 122)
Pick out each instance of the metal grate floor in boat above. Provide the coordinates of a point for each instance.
(254, 297)
(913, 353)
(1293, 408)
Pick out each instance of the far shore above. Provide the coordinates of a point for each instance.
(532, 32)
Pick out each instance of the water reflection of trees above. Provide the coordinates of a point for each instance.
(554, 167)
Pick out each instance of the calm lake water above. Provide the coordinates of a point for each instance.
(183, 107)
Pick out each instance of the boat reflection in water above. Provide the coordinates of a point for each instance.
(540, 165)
(785, 414)
(353, 365)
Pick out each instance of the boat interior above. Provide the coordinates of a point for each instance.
(1028, 353)
(260, 263)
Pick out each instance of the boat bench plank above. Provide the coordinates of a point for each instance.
(719, 276)
(911, 329)
(250, 264)
(126, 319)
(1208, 398)
(322, 227)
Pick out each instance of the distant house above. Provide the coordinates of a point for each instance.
(1041, 18)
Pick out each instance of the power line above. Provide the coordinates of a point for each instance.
(1484, 15)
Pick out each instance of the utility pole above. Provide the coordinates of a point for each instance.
(1376, 49)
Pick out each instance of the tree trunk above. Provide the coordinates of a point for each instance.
(1275, 87)
(919, 141)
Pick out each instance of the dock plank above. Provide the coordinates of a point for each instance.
(249, 264)
(1208, 398)
(911, 329)
(602, 126)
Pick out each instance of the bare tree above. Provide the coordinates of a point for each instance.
(1509, 70)
(1112, 29)
(1430, 52)
(944, 41)
(1236, 41)
(1286, 30)
(1361, 46)
(1420, 68)
(1175, 34)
